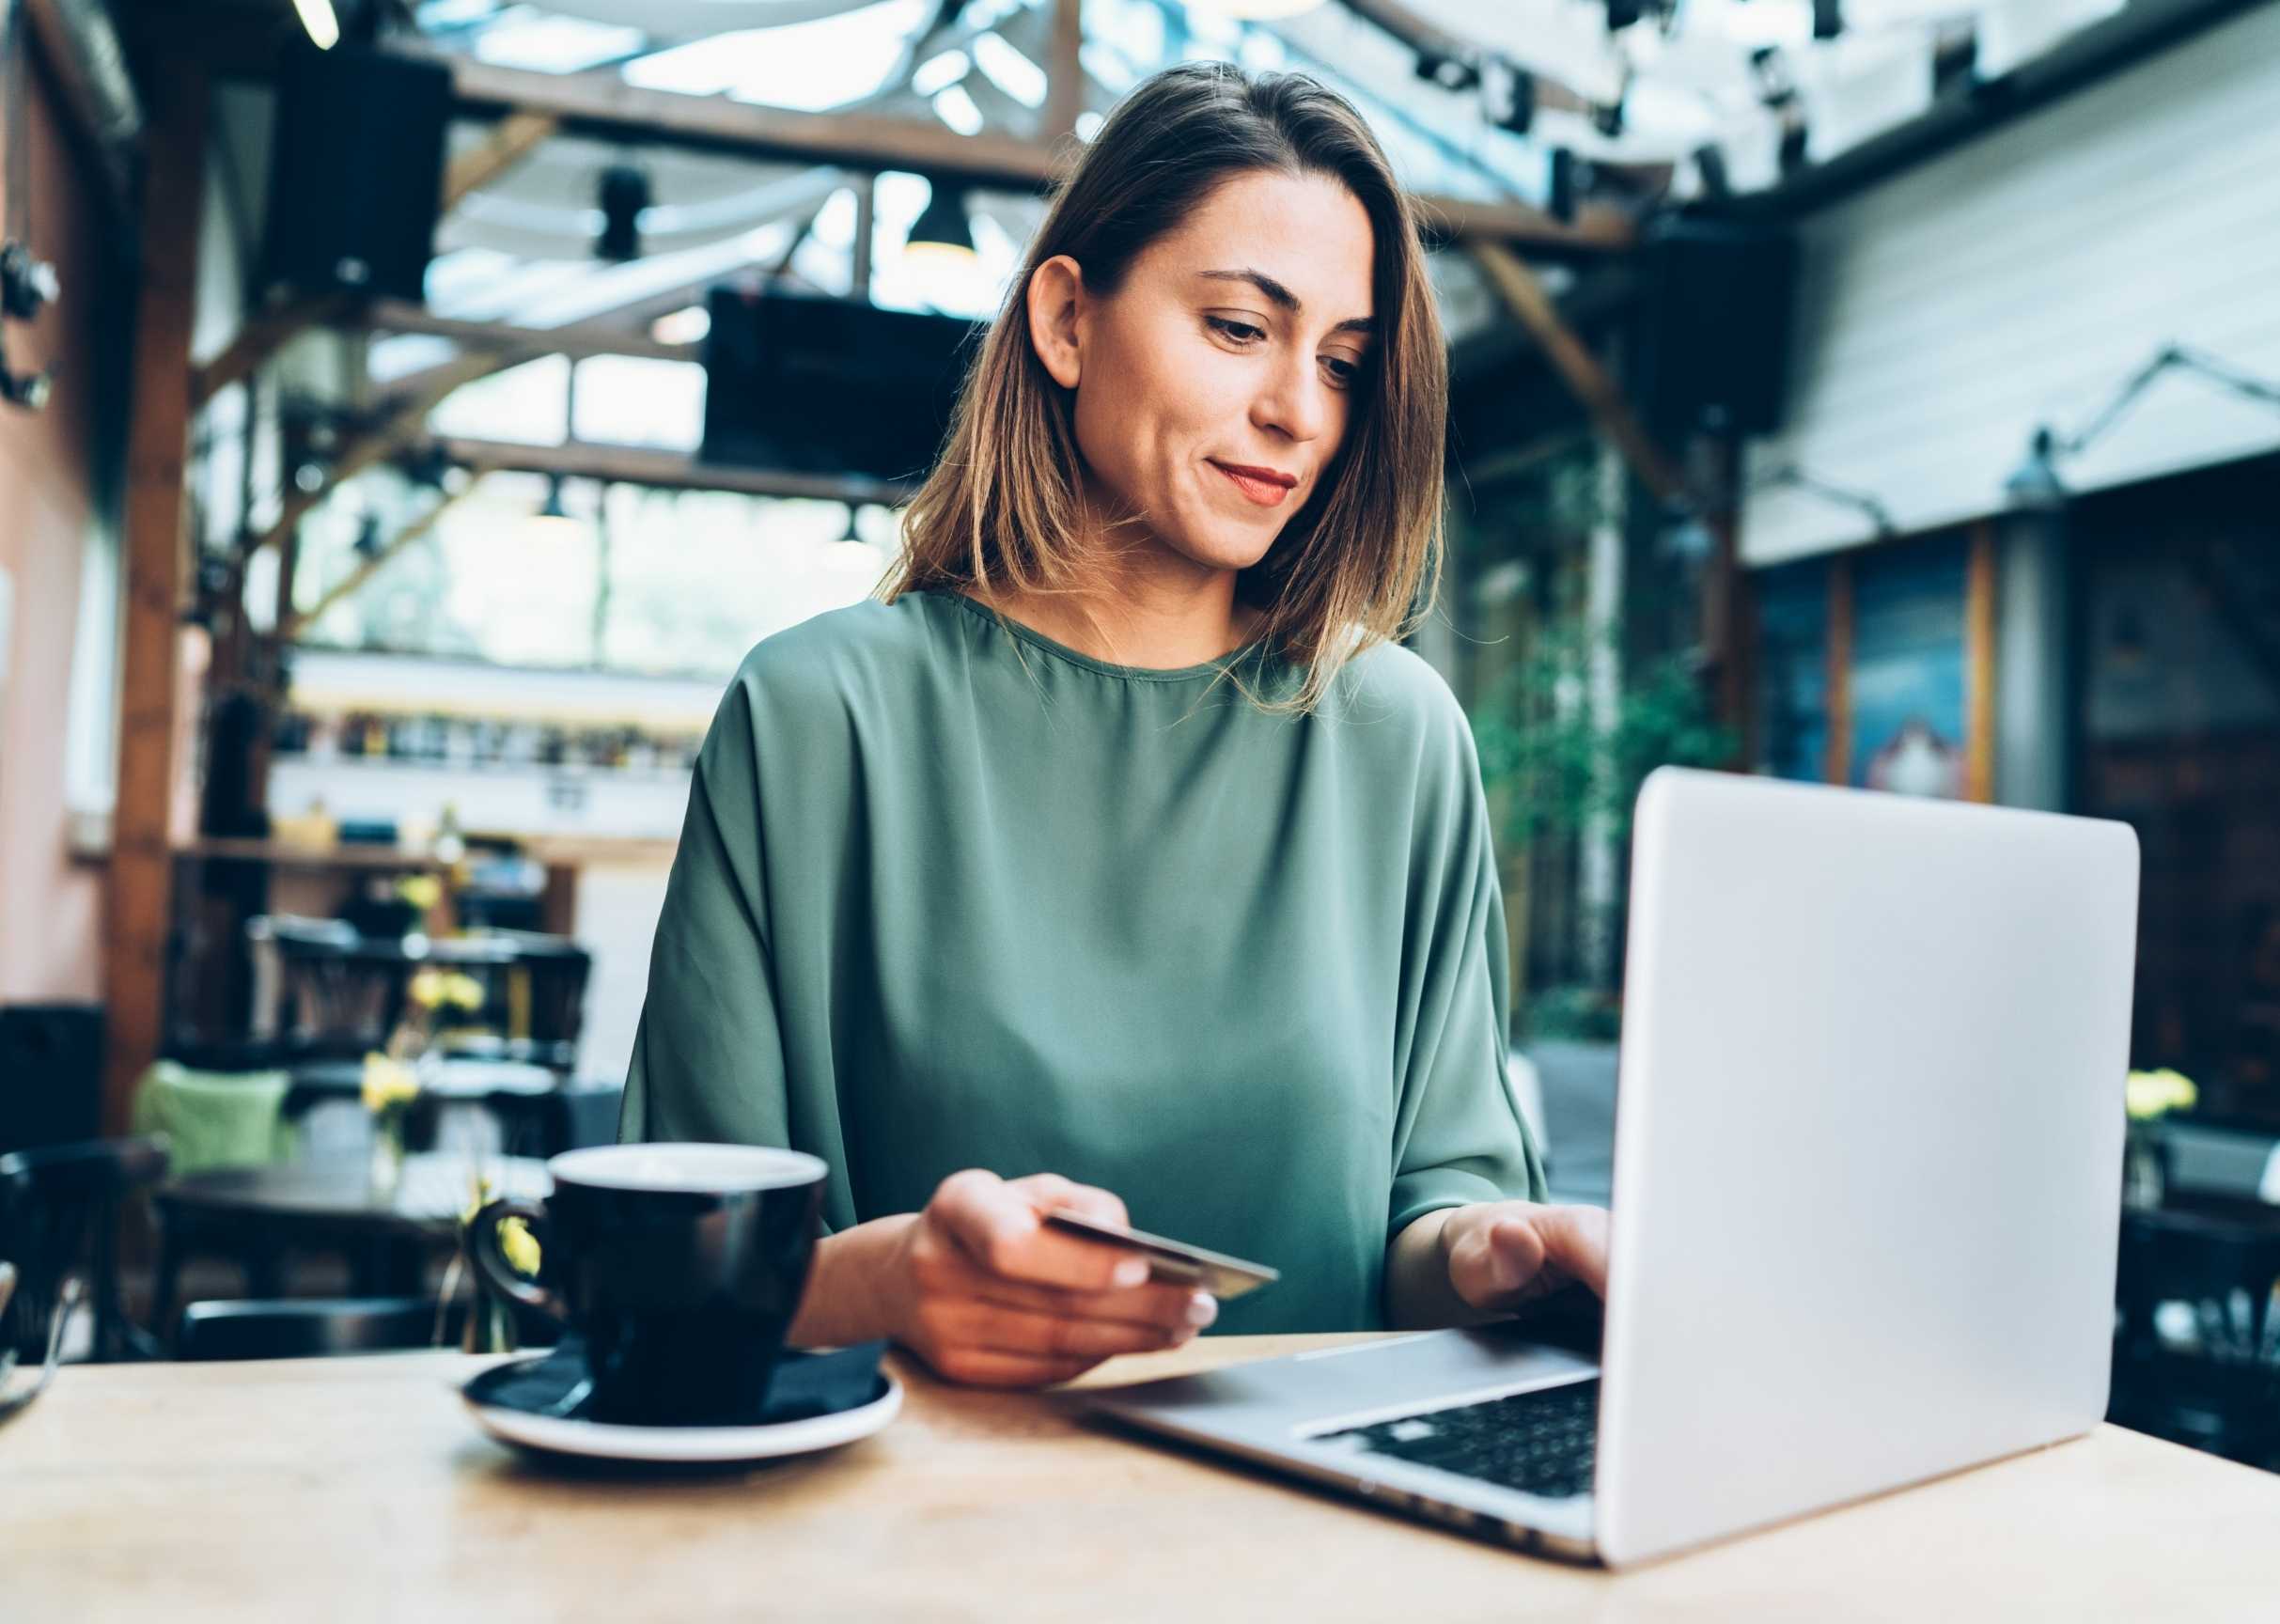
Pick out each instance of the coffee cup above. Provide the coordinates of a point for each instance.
(680, 1266)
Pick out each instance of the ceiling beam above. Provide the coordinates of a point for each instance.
(666, 469)
(405, 422)
(602, 104)
(290, 629)
(259, 337)
(576, 339)
(1598, 392)
(511, 141)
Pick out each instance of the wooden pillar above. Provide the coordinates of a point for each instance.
(139, 904)
(1979, 666)
(1840, 670)
(1064, 73)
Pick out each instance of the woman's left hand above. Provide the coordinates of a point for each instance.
(1502, 1253)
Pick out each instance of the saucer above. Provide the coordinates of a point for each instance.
(509, 1402)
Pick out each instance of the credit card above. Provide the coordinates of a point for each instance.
(1171, 1262)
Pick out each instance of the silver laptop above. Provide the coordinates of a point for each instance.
(1868, 1164)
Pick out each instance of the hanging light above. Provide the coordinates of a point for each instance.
(941, 234)
(624, 193)
(552, 525)
(1254, 10)
(322, 25)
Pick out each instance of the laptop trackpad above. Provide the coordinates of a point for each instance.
(1311, 1390)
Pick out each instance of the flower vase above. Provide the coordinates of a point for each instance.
(387, 1151)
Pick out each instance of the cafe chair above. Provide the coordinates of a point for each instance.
(301, 1328)
(588, 1114)
(316, 988)
(2218, 1388)
(60, 1216)
(540, 983)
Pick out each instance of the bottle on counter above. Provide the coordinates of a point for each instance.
(450, 846)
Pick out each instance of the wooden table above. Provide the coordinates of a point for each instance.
(358, 1489)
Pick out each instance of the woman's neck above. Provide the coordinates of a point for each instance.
(1153, 610)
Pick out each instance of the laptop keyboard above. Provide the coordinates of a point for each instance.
(1537, 1443)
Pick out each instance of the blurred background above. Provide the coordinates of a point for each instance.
(413, 412)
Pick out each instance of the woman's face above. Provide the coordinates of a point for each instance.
(1214, 387)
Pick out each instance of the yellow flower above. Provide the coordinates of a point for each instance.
(422, 891)
(437, 988)
(519, 1247)
(388, 1084)
(2152, 1094)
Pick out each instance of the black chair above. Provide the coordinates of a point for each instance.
(333, 994)
(537, 996)
(2222, 1391)
(301, 1328)
(59, 1212)
(51, 1074)
(588, 1114)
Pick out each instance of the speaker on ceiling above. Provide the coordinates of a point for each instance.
(799, 383)
(356, 166)
(1716, 302)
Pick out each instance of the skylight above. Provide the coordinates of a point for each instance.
(805, 67)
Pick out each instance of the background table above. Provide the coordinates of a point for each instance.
(255, 1213)
(359, 1488)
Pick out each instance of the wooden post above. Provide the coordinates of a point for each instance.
(1840, 670)
(1594, 388)
(139, 904)
(1979, 666)
(1064, 73)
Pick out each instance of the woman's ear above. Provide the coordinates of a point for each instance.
(1055, 296)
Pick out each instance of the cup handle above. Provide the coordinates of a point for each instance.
(484, 1251)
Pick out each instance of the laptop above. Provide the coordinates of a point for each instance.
(1867, 1168)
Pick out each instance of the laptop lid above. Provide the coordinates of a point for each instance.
(1867, 1152)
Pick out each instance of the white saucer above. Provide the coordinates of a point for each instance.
(688, 1444)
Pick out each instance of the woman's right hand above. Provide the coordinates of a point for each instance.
(987, 1294)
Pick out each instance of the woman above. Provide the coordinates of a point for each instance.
(1117, 846)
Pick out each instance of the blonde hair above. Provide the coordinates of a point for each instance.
(1358, 565)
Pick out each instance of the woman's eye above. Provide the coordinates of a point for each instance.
(1344, 373)
(1242, 331)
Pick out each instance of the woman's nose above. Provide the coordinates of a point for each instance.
(1296, 402)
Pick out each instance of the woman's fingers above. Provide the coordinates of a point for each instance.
(1576, 1242)
(949, 1271)
(1501, 1254)
(1494, 1258)
(1050, 1189)
(997, 1224)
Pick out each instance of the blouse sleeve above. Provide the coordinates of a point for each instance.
(1459, 1136)
(709, 1056)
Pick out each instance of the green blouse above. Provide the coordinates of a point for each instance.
(953, 894)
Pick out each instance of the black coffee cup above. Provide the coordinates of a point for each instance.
(679, 1265)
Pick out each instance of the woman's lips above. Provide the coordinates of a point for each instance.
(1262, 486)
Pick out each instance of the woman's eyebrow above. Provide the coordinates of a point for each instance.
(1282, 296)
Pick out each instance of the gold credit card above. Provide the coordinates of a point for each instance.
(1171, 1262)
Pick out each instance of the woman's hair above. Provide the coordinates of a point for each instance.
(1355, 566)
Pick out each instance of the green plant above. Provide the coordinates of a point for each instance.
(1557, 765)
(1578, 1014)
